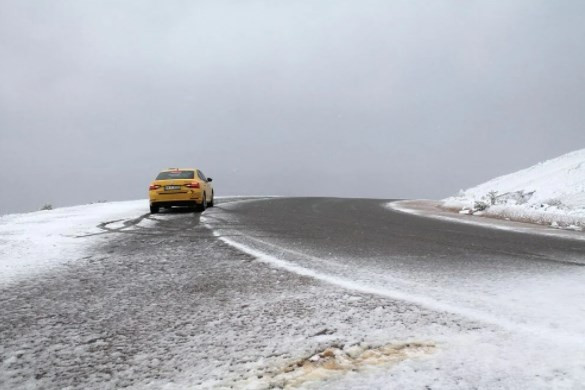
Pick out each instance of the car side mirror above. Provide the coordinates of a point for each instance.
(209, 179)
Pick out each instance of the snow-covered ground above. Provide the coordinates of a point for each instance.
(34, 242)
(551, 192)
(226, 304)
(130, 311)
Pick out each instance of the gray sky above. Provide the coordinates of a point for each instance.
(345, 98)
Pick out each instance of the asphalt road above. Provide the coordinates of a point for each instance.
(365, 229)
(173, 301)
(487, 274)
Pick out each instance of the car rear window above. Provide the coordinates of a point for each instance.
(171, 175)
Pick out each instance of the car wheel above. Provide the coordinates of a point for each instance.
(154, 209)
(203, 204)
(210, 204)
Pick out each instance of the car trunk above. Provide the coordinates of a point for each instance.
(173, 186)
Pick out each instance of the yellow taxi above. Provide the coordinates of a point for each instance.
(181, 187)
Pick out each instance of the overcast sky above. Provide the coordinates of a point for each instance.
(387, 99)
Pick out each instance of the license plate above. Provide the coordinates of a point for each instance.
(172, 188)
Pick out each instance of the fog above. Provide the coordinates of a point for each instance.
(385, 99)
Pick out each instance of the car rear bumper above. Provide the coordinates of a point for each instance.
(176, 199)
(176, 203)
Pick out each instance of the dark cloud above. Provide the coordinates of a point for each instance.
(373, 99)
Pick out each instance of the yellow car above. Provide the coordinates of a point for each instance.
(181, 187)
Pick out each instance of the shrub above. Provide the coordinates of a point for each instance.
(47, 206)
(480, 206)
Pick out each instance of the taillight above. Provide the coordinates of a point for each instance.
(153, 187)
(195, 184)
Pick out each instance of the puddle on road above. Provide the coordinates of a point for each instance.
(334, 362)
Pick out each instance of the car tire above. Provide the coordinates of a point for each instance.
(154, 209)
(210, 204)
(201, 208)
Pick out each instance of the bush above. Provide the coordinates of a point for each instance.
(480, 206)
(47, 206)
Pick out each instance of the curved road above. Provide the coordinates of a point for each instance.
(512, 279)
(364, 228)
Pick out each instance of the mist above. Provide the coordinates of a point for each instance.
(401, 99)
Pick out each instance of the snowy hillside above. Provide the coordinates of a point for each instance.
(551, 192)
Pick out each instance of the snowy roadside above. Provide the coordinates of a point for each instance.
(34, 242)
(31, 243)
(549, 193)
(434, 209)
(551, 216)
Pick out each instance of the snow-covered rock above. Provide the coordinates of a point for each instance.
(551, 192)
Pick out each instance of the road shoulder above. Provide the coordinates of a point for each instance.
(431, 209)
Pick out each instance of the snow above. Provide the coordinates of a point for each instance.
(434, 209)
(31, 243)
(551, 192)
(35, 242)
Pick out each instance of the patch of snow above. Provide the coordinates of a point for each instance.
(33, 242)
(422, 208)
(551, 192)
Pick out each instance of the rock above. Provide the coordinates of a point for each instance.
(329, 352)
